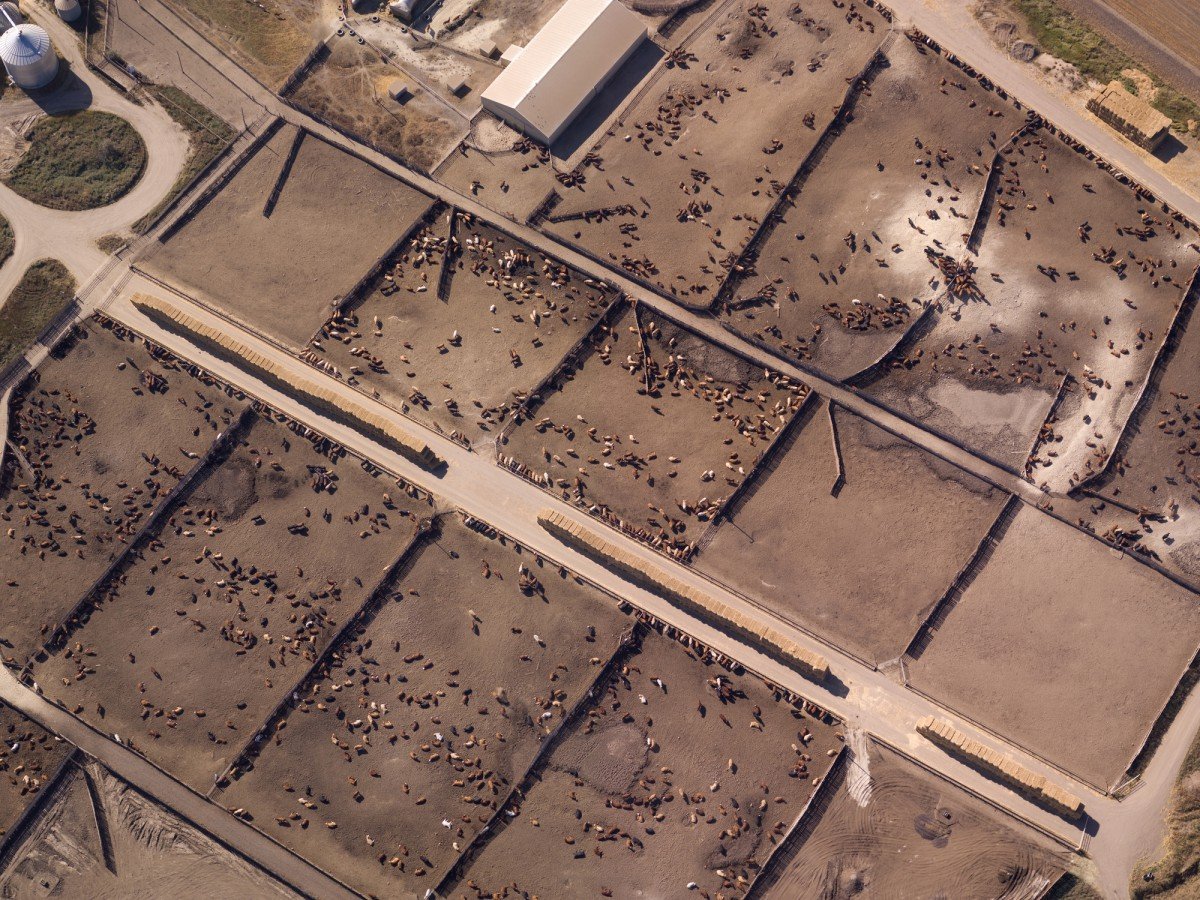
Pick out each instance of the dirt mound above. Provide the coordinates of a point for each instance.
(611, 761)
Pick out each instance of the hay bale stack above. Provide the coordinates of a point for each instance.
(1005, 768)
(662, 582)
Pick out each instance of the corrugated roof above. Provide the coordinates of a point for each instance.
(564, 62)
(1133, 110)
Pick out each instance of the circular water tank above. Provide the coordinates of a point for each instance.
(28, 56)
(9, 11)
(68, 10)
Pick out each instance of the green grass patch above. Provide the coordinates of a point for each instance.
(207, 132)
(79, 161)
(1068, 37)
(1179, 868)
(45, 290)
(8, 240)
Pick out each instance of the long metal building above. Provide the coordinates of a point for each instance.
(564, 66)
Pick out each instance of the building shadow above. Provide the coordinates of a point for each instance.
(580, 132)
(67, 93)
(1170, 148)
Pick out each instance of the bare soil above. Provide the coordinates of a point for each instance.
(29, 758)
(853, 261)
(653, 427)
(862, 563)
(477, 25)
(282, 274)
(102, 433)
(350, 89)
(680, 772)
(1064, 646)
(681, 182)
(154, 853)
(464, 361)
(227, 608)
(1076, 274)
(428, 715)
(889, 828)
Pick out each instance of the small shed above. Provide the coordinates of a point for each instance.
(1130, 115)
(399, 90)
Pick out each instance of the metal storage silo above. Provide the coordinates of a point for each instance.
(68, 10)
(28, 56)
(9, 16)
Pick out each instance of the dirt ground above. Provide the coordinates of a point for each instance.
(1063, 646)
(653, 427)
(516, 314)
(153, 853)
(889, 828)
(350, 89)
(860, 564)
(679, 184)
(29, 757)
(853, 261)
(227, 608)
(270, 38)
(680, 772)
(281, 274)
(478, 25)
(429, 714)
(1153, 496)
(101, 436)
(1076, 275)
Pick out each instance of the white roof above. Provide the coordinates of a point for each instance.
(24, 45)
(566, 61)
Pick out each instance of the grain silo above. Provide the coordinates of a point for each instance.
(28, 56)
(9, 16)
(68, 10)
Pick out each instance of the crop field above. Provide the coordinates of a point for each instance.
(860, 561)
(1076, 275)
(462, 359)
(99, 436)
(280, 267)
(889, 828)
(145, 850)
(266, 557)
(680, 772)
(1147, 498)
(854, 259)
(1063, 646)
(684, 178)
(349, 88)
(29, 758)
(652, 428)
(430, 713)
(269, 39)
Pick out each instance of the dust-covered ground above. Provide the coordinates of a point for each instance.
(461, 348)
(860, 562)
(652, 428)
(107, 841)
(1064, 646)
(680, 772)
(885, 827)
(839, 278)
(29, 758)
(678, 185)
(1076, 274)
(227, 607)
(349, 87)
(429, 713)
(282, 274)
(99, 436)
